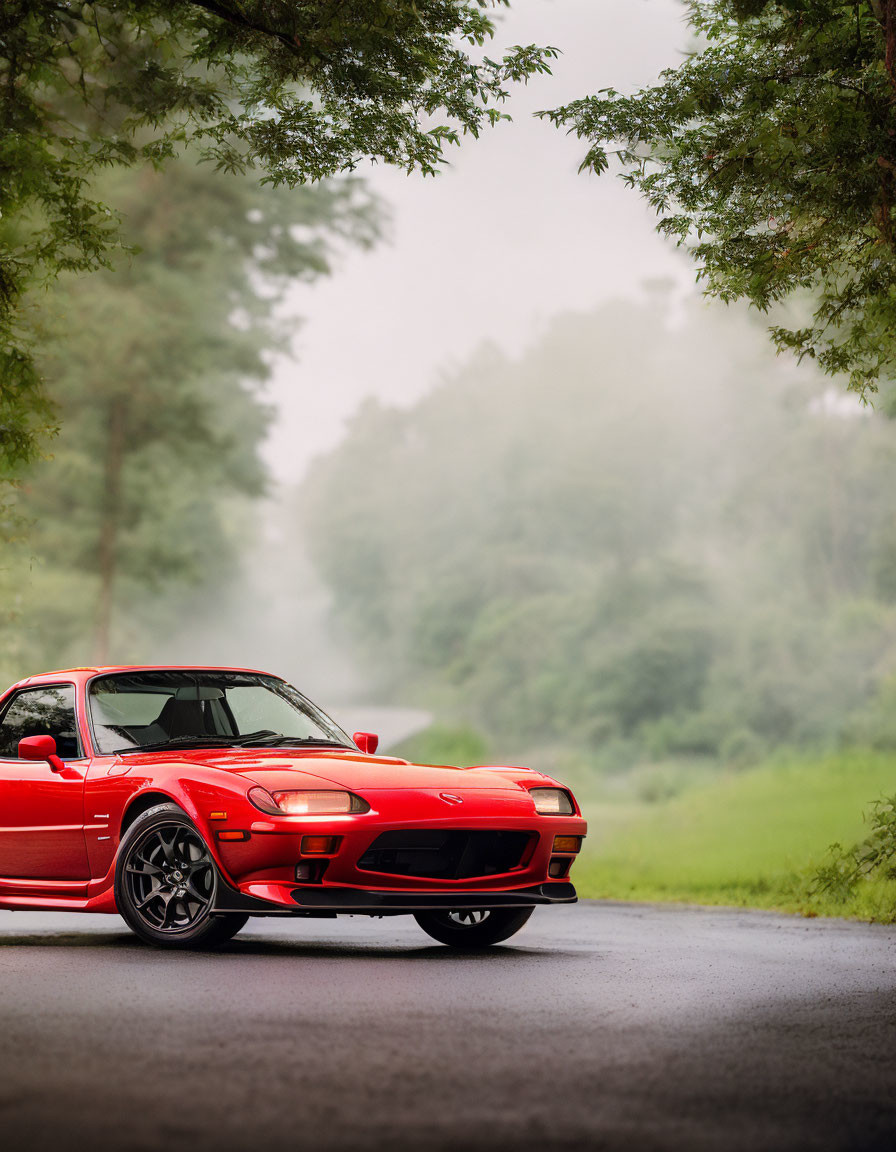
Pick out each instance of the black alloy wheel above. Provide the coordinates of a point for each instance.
(166, 882)
(472, 929)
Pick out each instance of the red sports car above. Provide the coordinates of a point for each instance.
(189, 799)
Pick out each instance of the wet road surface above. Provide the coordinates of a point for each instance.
(600, 1026)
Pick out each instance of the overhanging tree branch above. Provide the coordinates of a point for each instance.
(763, 124)
(240, 20)
(301, 92)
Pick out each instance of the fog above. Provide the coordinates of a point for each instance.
(525, 486)
(473, 463)
(507, 237)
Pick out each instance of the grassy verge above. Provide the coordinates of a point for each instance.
(747, 839)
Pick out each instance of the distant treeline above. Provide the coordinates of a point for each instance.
(645, 537)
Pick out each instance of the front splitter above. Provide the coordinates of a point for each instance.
(360, 901)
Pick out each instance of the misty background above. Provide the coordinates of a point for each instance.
(509, 236)
(472, 462)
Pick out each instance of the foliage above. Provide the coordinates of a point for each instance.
(157, 364)
(874, 857)
(874, 724)
(301, 91)
(771, 152)
(639, 537)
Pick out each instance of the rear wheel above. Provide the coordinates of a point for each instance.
(473, 929)
(166, 883)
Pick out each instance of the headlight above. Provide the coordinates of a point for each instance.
(552, 801)
(307, 803)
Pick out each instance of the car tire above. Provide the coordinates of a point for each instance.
(166, 882)
(471, 930)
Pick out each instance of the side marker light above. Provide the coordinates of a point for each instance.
(567, 843)
(319, 845)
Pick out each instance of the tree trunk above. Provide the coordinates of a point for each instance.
(109, 525)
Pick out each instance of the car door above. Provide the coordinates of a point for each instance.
(42, 811)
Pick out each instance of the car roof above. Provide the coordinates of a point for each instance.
(81, 675)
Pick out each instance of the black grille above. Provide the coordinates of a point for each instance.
(435, 855)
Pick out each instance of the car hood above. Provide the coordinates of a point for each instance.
(285, 768)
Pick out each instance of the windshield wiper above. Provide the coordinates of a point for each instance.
(263, 734)
(175, 741)
(276, 740)
(266, 737)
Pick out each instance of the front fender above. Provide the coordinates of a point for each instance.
(203, 793)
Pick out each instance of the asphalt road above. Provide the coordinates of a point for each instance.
(602, 1027)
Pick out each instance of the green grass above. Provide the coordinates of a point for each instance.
(747, 839)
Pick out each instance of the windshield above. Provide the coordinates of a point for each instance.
(131, 711)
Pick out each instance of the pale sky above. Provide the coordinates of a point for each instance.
(506, 238)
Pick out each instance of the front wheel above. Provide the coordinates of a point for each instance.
(166, 882)
(471, 930)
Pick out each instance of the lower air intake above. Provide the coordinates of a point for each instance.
(454, 855)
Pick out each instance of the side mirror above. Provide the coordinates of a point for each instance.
(367, 742)
(40, 748)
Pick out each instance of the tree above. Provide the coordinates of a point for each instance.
(771, 153)
(155, 366)
(299, 88)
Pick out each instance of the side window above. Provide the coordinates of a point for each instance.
(41, 712)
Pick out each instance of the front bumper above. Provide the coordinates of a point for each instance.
(365, 901)
(259, 870)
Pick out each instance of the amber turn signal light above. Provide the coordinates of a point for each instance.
(319, 845)
(567, 843)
